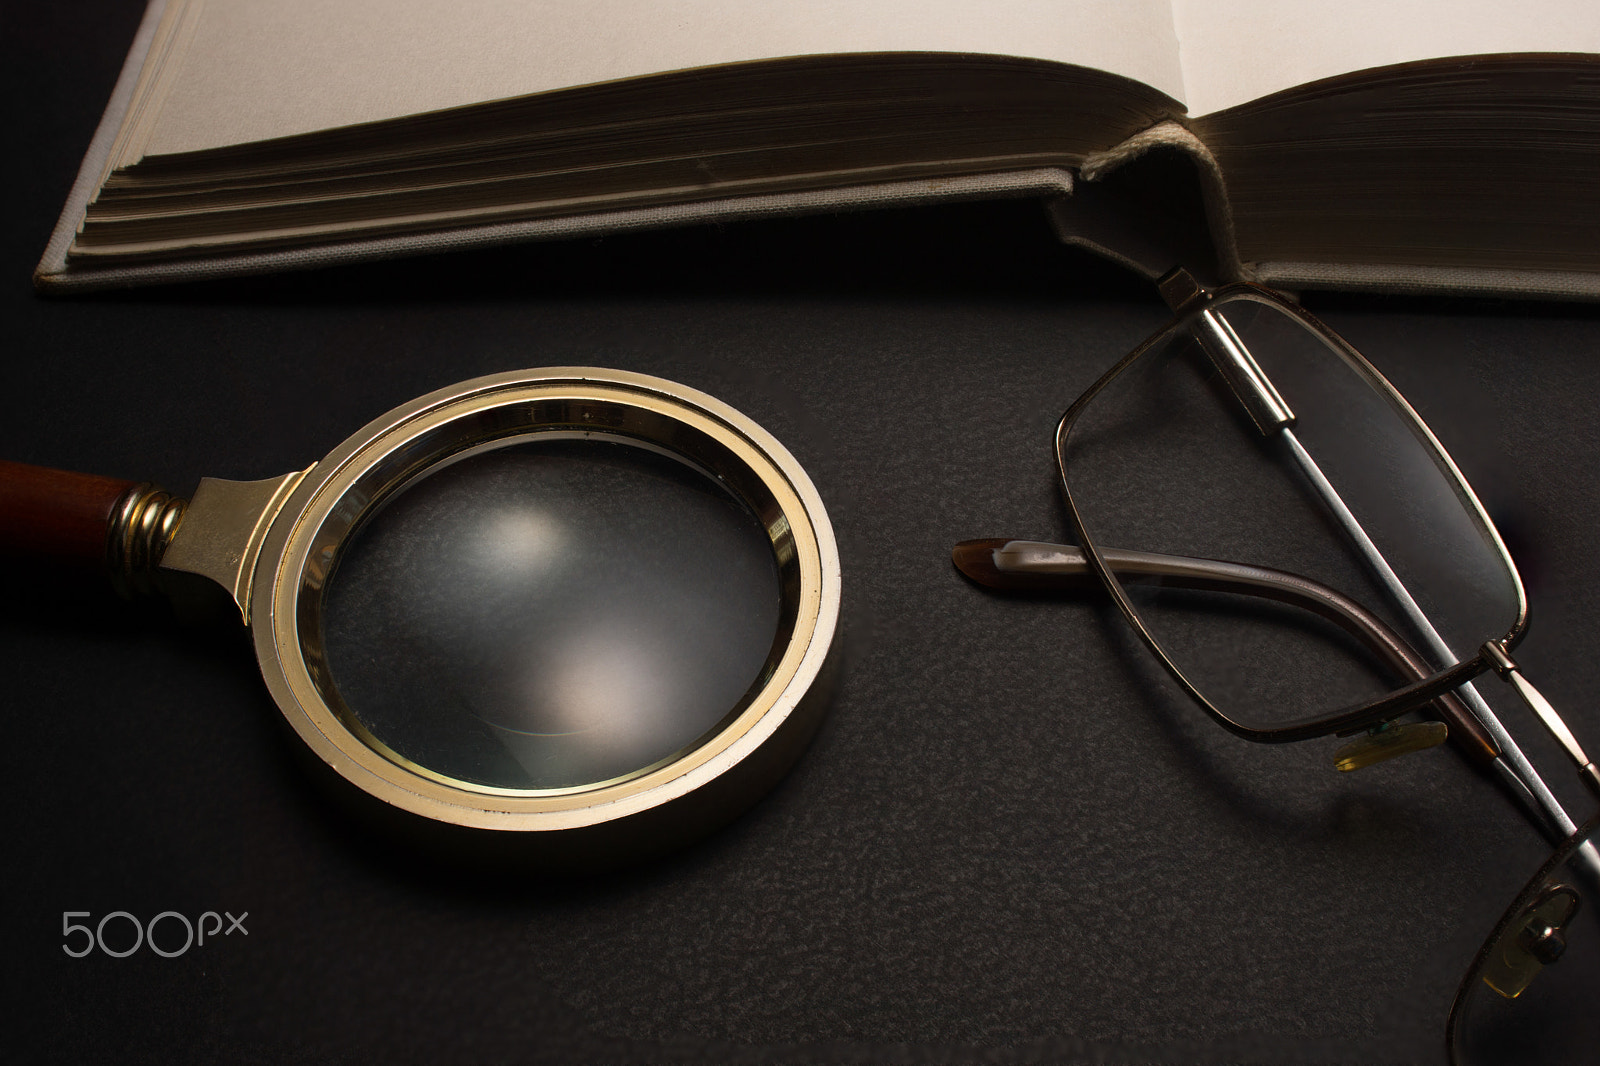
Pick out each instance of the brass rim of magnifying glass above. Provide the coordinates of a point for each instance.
(301, 552)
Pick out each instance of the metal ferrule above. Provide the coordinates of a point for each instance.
(1248, 382)
(138, 534)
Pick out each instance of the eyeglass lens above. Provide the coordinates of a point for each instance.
(552, 614)
(1167, 458)
(1531, 995)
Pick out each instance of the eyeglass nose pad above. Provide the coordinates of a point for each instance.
(1532, 942)
(1387, 741)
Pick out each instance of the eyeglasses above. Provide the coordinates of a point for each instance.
(1295, 546)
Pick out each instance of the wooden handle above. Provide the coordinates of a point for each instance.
(56, 515)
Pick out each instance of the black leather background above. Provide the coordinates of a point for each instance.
(1007, 844)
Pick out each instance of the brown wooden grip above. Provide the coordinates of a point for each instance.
(56, 515)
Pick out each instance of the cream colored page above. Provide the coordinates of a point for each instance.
(269, 68)
(1234, 51)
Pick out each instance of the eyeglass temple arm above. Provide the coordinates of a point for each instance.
(1033, 566)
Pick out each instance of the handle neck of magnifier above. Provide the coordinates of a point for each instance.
(85, 522)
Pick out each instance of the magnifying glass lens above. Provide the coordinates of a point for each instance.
(552, 614)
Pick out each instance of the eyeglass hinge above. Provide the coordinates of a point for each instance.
(1499, 660)
(1503, 665)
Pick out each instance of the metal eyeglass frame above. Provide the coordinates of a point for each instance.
(1032, 565)
(1035, 566)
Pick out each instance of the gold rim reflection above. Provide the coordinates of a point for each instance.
(302, 548)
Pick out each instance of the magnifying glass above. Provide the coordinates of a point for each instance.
(579, 613)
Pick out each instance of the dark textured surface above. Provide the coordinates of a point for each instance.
(1008, 844)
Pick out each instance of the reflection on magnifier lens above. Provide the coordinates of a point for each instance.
(552, 614)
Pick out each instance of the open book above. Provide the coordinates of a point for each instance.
(1446, 144)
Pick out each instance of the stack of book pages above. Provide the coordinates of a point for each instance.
(1451, 146)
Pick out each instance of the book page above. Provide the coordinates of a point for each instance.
(1235, 51)
(258, 70)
